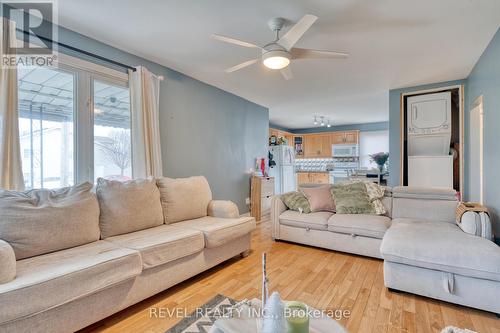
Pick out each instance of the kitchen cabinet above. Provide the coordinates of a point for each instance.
(351, 137)
(302, 178)
(347, 137)
(313, 178)
(337, 138)
(317, 145)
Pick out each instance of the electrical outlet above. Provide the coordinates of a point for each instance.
(247, 201)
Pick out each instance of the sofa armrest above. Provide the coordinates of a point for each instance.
(7, 262)
(277, 208)
(223, 209)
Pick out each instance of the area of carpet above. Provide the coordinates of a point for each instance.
(203, 318)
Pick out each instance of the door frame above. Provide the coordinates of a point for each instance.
(461, 107)
(479, 102)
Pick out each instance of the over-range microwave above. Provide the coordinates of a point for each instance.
(345, 150)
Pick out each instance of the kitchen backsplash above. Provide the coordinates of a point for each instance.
(314, 164)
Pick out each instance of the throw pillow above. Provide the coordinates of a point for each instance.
(320, 198)
(375, 193)
(184, 198)
(352, 199)
(296, 201)
(40, 221)
(128, 206)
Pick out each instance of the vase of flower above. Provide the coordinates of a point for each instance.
(380, 159)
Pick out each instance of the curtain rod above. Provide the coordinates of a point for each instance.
(72, 48)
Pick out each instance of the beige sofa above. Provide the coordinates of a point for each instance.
(71, 257)
(424, 251)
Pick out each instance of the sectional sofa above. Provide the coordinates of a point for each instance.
(71, 257)
(424, 251)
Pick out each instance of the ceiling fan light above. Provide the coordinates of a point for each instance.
(276, 59)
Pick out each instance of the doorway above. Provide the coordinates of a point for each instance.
(456, 142)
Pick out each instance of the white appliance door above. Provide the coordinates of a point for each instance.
(277, 154)
(288, 155)
(430, 171)
(429, 112)
(429, 124)
(275, 173)
(288, 179)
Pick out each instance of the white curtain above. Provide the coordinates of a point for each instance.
(145, 101)
(11, 173)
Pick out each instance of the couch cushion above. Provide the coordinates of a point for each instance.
(41, 221)
(441, 246)
(430, 193)
(184, 198)
(53, 279)
(162, 244)
(316, 221)
(424, 209)
(320, 198)
(219, 231)
(128, 206)
(373, 226)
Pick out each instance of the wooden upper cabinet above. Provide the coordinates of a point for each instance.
(351, 137)
(317, 145)
(337, 138)
(348, 137)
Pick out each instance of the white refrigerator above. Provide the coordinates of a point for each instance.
(284, 170)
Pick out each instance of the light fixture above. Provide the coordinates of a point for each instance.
(328, 124)
(276, 59)
(322, 121)
(315, 121)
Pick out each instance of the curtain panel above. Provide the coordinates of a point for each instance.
(11, 173)
(145, 101)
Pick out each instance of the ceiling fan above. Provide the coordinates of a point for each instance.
(278, 53)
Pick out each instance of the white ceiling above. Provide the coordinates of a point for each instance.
(393, 43)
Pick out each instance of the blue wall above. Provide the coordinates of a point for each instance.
(485, 80)
(395, 125)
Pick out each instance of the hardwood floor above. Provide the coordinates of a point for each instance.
(323, 279)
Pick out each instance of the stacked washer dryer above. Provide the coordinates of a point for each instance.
(429, 135)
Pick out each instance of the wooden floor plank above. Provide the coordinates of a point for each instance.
(326, 279)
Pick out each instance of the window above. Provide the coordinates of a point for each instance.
(372, 142)
(74, 123)
(112, 148)
(46, 126)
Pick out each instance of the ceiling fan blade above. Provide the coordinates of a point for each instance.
(287, 73)
(234, 41)
(242, 65)
(295, 32)
(298, 53)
